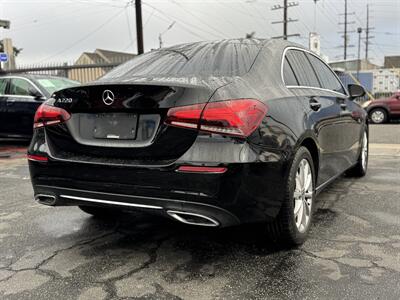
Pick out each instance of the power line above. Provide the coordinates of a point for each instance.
(219, 17)
(285, 20)
(166, 18)
(329, 18)
(54, 19)
(227, 20)
(257, 20)
(132, 41)
(308, 30)
(386, 32)
(327, 11)
(84, 37)
(199, 19)
(91, 2)
(262, 17)
(148, 18)
(387, 45)
(183, 22)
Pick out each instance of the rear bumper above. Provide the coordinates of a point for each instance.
(247, 192)
(208, 215)
(251, 190)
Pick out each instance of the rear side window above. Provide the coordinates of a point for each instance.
(288, 74)
(3, 85)
(326, 77)
(302, 68)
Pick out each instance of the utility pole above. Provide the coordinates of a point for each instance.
(367, 35)
(285, 20)
(139, 26)
(359, 30)
(346, 30)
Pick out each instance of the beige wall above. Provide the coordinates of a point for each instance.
(85, 75)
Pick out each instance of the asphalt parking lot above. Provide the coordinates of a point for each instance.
(352, 252)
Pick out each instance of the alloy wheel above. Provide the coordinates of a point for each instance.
(303, 195)
(364, 152)
(377, 116)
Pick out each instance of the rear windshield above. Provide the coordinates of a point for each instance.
(219, 59)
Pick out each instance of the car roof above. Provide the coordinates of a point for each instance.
(258, 42)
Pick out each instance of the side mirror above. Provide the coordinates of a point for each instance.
(355, 91)
(35, 93)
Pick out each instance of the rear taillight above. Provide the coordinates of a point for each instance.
(49, 115)
(239, 117)
(201, 169)
(39, 158)
(185, 116)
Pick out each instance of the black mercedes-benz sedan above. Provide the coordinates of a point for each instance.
(20, 96)
(210, 133)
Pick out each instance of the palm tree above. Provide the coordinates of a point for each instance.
(15, 49)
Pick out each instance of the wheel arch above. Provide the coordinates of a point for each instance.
(312, 146)
(385, 108)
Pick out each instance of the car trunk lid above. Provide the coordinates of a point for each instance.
(124, 123)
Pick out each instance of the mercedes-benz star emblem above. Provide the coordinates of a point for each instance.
(108, 97)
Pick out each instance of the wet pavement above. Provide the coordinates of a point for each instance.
(12, 150)
(353, 250)
(386, 133)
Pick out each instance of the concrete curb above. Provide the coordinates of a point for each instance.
(384, 149)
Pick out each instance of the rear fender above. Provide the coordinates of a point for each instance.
(309, 141)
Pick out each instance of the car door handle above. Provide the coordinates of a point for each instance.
(11, 102)
(314, 104)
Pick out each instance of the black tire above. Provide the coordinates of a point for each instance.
(380, 111)
(359, 169)
(99, 212)
(283, 229)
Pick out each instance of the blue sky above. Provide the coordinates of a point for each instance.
(60, 30)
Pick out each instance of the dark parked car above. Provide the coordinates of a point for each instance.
(210, 133)
(20, 96)
(382, 110)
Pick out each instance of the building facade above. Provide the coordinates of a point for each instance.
(385, 81)
(392, 61)
(99, 56)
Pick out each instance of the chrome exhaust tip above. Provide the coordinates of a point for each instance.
(46, 199)
(192, 218)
